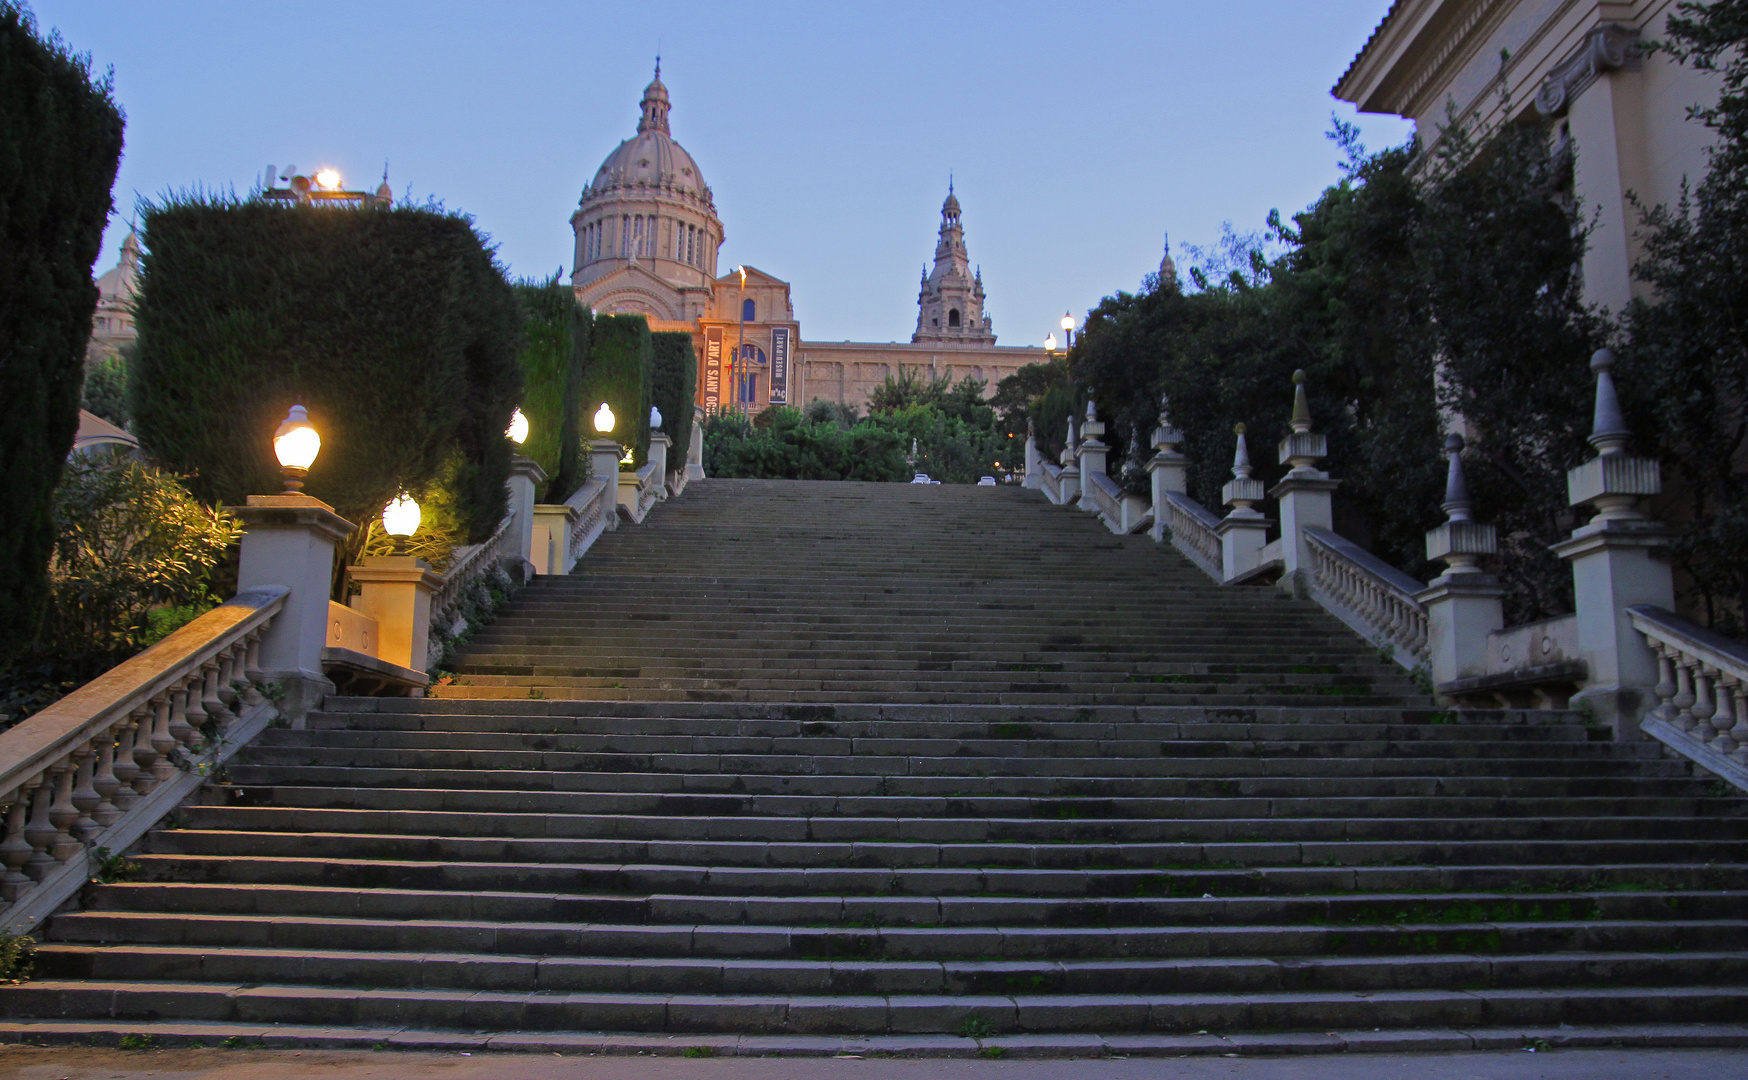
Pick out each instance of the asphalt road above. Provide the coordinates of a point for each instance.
(78, 1063)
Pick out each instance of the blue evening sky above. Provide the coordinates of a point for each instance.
(1077, 134)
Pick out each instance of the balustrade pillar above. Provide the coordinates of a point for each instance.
(1304, 495)
(1069, 481)
(604, 455)
(1167, 470)
(551, 551)
(290, 540)
(526, 477)
(1243, 531)
(1463, 603)
(1034, 478)
(1091, 455)
(695, 449)
(1618, 560)
(658, 456)
(395, 590)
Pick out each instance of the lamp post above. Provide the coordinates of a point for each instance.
(400, 519)
(1067, 330)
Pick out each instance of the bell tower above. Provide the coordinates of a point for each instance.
(950, 305)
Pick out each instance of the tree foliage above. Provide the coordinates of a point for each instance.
(673, 383)
(791, 446)
(618, 373)
(555, 347)
(1684, 372)
(394, 327)
(60, 143)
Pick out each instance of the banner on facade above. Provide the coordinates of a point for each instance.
(712, 369)
(780, 365)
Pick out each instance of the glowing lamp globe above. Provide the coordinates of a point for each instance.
(400, 519)
(518, 429)
(604, 419)
(1067, 321)
(655, 418)
(328, 178)
(1050, 343)
(295, 444)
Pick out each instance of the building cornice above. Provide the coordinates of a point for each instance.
(1418, 44)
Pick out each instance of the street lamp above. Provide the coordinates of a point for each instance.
(604, 420)
(1050, 343)
(518, 429)
(1068, 330)
(400, 519)
(296, 444)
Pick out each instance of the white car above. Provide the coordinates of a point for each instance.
(988, 481)
(923, 478)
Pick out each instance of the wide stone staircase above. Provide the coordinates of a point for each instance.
(821, 768)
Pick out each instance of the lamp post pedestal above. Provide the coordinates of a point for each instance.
(290, 540)
(396, 592)
(525, 479)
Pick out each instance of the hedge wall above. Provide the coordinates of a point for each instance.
(555, 349)
(60, 142)
(673, 379)
(618, 372)
(395, 327)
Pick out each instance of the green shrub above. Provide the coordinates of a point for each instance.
(105, 392)
(395, 327)
(17, 959)
(60, 142)
(618, 372)
(555, 349)
(792, 447)
(673, 383)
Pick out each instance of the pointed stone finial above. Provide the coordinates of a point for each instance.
(1608, 428)
(1301, 404)
(1241, 457)
(1457, 503)
(1031, 429)
(1165, 410)
(1091, 410)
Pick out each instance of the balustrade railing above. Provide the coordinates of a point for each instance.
(1051, 482)
(593, 503)
(1702, 693)
(100, 766)
(1192, 533)
(1369, 594)
(466, 566)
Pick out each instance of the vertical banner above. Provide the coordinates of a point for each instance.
(712, 369)
(780, 365)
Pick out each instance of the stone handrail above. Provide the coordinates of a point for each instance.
(1702, 693)
(1122, 512)
(1192, 532)
(651, 488)
(466, 566)
(99, 767)
(593, 502)
(1369, 595)
(1051, 482)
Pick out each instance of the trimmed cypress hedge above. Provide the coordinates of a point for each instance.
(395, 327)
(555, 350)
(618, 372)
(673, 380)
(60, 143)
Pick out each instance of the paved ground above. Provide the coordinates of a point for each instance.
(77, 1063)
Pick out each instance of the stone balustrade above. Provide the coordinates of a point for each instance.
(1701, 691)
(639, 491)
(1368, 594)
(100, 766)
(1193, 531)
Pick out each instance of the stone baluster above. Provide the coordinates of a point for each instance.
(1168, 469)
(104, 780)
(1243, 531)
(64, 815)
(210, 703)
(39, 831)
(127, 766)
(84, 795)
(1462, 604)
(1618, 561)
(1704, 704)
(169, 708)
(184, 711)
(1725, 719)
(1684, 695)
(1665, 688)
(1304, 495)
(15, 850)
(252, 668)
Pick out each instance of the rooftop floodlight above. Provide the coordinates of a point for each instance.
(296, 444)
(328, 178)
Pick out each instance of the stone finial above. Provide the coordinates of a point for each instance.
(1242, 491)
(1608, 428)
(1091, 410)
(1240, 458)
(1165, 410)
(1031, 428)
(1457, 503)
(1301, 404)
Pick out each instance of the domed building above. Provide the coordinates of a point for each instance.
(647, 236)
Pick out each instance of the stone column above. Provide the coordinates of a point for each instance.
(1304, 494)
(658, 456)
(290, 540)
(1243, 531)
(695, 451)
(1168, 468)
(1617, 561)
(1034, 463)
(1462, 604)
(526, 477)
(395, 590)
(1091, 454)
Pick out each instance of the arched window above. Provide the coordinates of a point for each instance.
(692, 244)
(747, 311)
(624, 235)
(953, 317)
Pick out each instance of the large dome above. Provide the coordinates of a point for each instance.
(651, 158)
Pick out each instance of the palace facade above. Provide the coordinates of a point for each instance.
(647, 235)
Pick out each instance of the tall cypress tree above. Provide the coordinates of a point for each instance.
(60, 143)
